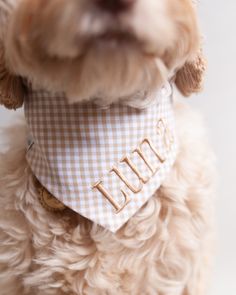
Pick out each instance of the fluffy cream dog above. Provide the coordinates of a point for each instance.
(108, 50)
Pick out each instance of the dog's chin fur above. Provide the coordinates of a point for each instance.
(74, 47)
(105, 76)
(164, 249)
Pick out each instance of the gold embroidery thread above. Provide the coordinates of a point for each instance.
(168, 140)
(109, 197)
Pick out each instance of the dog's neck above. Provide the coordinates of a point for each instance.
(138, 100)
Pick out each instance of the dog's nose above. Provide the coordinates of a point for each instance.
(115, 6)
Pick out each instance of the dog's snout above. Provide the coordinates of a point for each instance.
(115, 6)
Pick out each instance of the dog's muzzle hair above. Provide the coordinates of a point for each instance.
(103, 49)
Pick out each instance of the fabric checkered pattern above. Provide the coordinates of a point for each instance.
(76, 146)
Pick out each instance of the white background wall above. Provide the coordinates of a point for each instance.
(218, 103)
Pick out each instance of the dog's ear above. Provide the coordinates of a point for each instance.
(11, 87)
(189, 79)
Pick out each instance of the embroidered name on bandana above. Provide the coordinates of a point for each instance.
(103, 163)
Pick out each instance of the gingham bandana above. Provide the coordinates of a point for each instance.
(103, 163)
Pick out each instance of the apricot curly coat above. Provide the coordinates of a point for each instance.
(166, 247)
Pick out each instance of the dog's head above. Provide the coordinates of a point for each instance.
(100, 48)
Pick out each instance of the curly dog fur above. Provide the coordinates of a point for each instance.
(166, 247)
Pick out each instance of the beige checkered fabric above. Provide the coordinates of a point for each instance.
(75, 147)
